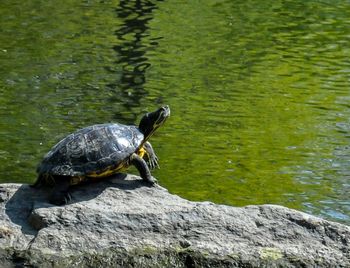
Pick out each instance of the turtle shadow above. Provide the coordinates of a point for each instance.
(91, 189)
(19, 208)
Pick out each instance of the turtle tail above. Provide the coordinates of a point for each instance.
(40, 181)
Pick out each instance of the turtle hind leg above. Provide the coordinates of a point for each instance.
(142, 167)
(60, 194)
(40, 181)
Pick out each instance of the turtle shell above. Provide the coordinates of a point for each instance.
(92, 150)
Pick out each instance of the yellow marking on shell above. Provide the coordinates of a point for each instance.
(109, 171)
(113, 169)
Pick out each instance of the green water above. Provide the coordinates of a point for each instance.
(259, 92)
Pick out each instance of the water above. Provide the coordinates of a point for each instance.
(259, 92)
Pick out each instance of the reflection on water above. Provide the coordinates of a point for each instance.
(133, 43)
(259, 92)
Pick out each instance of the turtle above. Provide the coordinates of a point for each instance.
(98, 151)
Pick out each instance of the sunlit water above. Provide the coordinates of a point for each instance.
(259, 92)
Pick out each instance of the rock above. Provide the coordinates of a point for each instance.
(121, 222)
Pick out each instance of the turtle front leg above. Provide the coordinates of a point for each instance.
(60, 194)
(142, 167)
(151, 156)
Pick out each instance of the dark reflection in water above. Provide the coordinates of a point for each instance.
(131, 51)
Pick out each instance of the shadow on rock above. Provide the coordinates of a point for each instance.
(21, 207)
(91, 189)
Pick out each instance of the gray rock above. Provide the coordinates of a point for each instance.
(122, 222)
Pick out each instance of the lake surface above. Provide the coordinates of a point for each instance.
(259, 92)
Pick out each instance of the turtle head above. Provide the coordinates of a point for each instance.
(151, 121)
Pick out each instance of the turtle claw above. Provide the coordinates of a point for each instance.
(59, 199)
(152, 181)
(67, 198)
(153, 162)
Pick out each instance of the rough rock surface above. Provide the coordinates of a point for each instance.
(122, 222)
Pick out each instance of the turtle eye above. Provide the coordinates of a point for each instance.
(160, 120)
